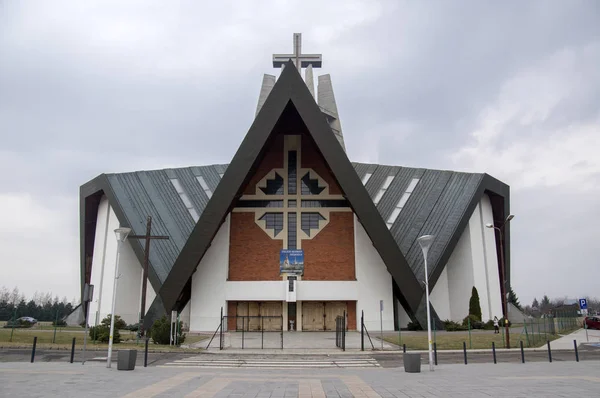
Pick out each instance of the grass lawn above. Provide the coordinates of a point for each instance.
(64, 338)
(454, 340)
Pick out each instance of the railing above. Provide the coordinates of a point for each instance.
(244, 331)
(340, 332)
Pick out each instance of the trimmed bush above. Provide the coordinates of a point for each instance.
(161, 329)
(451, 326)
(101, 333)
(59, 323)
(474, 322)
(489, 325)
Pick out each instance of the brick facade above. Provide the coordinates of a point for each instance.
(312, 158)
(329, 256)
(273, 159)
(253, 255)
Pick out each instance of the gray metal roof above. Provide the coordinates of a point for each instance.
(144, 193)
(436, 206)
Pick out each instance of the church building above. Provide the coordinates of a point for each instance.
(293, 231)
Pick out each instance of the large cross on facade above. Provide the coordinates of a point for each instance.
(300, 60)
(292, 203)
(148, 237)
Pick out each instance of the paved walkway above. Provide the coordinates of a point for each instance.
(501, 380)
(582, 336)
(297, 342)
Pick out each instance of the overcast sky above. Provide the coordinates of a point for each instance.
(508, 88)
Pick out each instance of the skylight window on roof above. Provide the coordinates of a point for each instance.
(366, 178)
(402, 202)
(384, 187)
(204, 186)
(184, 198)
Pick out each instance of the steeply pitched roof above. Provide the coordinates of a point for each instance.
(289, 107)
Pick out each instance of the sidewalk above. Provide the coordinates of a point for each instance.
(566, 342)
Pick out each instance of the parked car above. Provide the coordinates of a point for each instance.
(27, 319)
(592, 322)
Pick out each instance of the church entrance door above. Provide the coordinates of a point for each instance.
(333, 309)
(313, 315)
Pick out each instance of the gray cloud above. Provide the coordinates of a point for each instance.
(106, 87)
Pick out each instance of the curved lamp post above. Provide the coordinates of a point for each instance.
(502, 276)
(425, 242)
(121, 234)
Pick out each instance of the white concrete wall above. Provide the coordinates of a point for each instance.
(305, 290)
(440, 296)
(208, 283)
(184, 316)
(255, 290)
(327, 291)
(374, 283)
(129, 283)
(492, 275)
(473, 263)
(102, 265)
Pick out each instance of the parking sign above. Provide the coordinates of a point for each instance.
(583, 304)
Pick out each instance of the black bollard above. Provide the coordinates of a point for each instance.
(549, 351)
(522, 352)
(146, 352)
(576, 352)
(435, 353)
(33, 349)
(72, 349)
(494, 351)
(465, 351)
(403, 347)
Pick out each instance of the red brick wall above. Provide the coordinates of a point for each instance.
(351, 306)
(329, 256)
(273, 159)
(253, 255)
(311, 158)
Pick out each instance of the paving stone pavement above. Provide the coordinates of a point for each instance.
(565, 379)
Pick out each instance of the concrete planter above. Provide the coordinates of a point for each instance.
(126, 359)
(412, 362)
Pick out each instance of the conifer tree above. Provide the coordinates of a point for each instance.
(474, 305)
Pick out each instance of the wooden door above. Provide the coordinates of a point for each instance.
(312, 315)
(272, 311)
(242, 312)
(333, 309)
(253, 321)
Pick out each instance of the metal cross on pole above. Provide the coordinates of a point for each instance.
(148, 237)
(300, 60)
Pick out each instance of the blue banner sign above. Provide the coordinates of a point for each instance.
(291, 261)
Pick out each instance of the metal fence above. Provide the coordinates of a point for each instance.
(247, 331)
(340, 332)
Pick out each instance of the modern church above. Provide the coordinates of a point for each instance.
(291, 228)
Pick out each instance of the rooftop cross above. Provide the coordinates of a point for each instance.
(301, 60)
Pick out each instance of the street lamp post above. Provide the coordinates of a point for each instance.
(121, 234)
(425, 242)
(503, 291)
